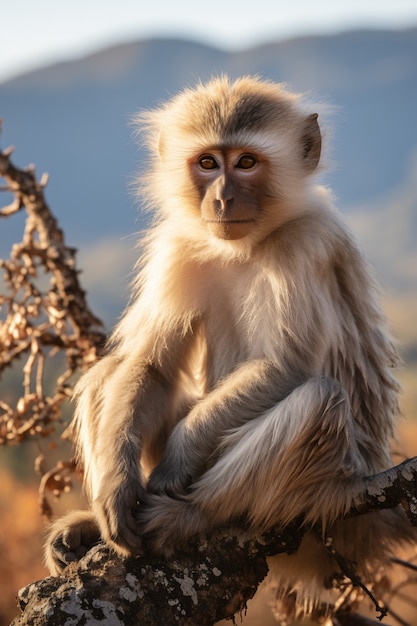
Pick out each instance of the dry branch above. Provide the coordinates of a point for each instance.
(203, 583)
(44, 319)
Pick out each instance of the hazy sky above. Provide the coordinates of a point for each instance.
(38, 32)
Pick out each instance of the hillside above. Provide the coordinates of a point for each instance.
(73, 121)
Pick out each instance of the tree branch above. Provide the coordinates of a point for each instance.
(202, 583)
(395, 486)
(43, 322)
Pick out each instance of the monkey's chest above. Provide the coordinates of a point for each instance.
(248, 320)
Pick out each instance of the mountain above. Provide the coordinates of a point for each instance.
(73, 121)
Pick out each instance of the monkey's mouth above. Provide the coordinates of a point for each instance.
(231, 229)
(229, 221)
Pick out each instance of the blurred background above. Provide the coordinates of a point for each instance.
(73, 74)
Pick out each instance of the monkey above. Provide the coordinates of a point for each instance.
(251, 375)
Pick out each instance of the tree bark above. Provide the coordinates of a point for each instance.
(203, 583)
(206, 582)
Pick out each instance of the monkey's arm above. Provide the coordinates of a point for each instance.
(252, 389)
(123, 404)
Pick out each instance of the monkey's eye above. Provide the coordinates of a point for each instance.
(245, 162)
(208, 162)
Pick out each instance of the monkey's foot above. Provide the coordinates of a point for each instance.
(167, 523)
(69, 539)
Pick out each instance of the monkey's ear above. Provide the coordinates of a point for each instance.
(311, 143)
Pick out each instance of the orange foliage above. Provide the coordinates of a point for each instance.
(21, 529)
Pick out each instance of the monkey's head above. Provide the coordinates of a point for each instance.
(237, 155)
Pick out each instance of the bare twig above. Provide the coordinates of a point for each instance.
(50, 323)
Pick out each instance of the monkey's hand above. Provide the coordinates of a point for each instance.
(180, 466)
(169, 478)
(116, 511)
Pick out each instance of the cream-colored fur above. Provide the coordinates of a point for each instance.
(252, 377)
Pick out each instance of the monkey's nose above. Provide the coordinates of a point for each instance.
(223, 192)
(222, 205)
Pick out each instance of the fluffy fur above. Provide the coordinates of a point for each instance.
(251, 377)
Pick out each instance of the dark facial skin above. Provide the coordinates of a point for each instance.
(231, 184)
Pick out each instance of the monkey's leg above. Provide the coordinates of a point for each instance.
(299, 458)
(253, 389)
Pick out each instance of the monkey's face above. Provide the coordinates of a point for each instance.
(231, 184)
(233, 159)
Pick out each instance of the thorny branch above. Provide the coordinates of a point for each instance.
(44, 321)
